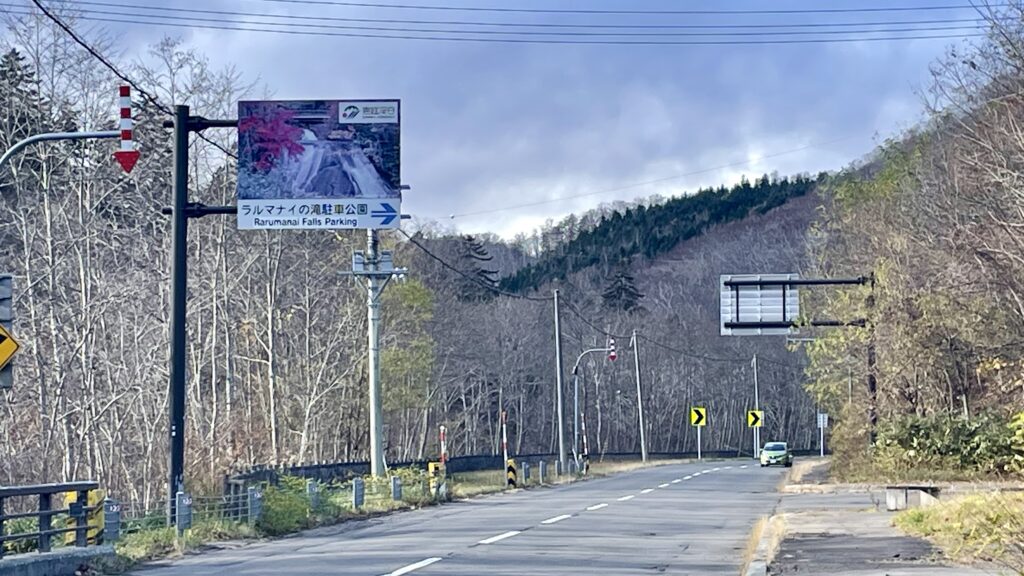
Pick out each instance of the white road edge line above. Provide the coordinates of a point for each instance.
(597, 506)
(411, 567)
(499, 537)
(625, 498)
(647, 490)
(677, 480)
(557, 519)
(665, 485)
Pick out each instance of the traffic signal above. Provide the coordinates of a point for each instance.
(611, 349)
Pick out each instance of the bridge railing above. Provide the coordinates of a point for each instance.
(44, 512)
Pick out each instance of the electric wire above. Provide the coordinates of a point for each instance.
(506, 24)
(432, 37)
(113, 69)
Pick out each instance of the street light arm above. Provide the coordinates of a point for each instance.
(55, 136)
(575, 367)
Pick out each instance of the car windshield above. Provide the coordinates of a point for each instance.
(776, 447)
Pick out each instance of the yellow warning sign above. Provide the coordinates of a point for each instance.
(698, 416)
(755, 418)
(8, 346)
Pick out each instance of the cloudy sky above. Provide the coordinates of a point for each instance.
(507, 135)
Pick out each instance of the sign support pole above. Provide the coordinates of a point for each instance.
(757, 406)
(179, 288)
(698, 442)
(180, 211)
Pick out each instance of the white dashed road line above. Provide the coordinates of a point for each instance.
(744, 466)
(647, 490)
(499, 537)
(557, 519)
(677, 480)
(626, 498)
(665, 485)
(597, 506)
(704, 471)
(716, 469)
(411, 567)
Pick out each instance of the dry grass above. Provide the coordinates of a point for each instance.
(986, 527)
(764, 541)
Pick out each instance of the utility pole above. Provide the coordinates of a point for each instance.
(639, 396)
(558, 390)
(757, 406)
(373, 290)
(378, 267)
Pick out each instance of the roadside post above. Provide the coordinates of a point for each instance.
(822, 424)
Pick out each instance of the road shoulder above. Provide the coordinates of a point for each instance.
(841, 529)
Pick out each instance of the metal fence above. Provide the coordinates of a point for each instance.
(40, 518)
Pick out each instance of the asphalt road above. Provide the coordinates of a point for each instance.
(679, 519)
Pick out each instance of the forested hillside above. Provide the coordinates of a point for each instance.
(277, 340)
(937, 218)
(652, 230)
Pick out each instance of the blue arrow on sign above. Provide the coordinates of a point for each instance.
(387, 214)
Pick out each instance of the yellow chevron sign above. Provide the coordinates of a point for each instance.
(698, 416)
(755, 418)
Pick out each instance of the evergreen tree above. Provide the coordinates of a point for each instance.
(621, 293)
(474, 259)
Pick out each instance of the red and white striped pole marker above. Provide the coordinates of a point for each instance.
(444, 447)
(127, 156)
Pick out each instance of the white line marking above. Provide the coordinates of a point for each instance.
(411, 567)
(625, 498)
(688, 477)
(704, 471)
(678, 480)
(647, 490)
(499, 537)
(728, 467)
(716, 469)
(744, 466)
(665, 485)
(597, 506)
(557, 519)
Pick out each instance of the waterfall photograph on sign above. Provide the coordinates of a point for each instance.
(318, 164)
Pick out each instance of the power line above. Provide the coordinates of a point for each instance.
(110, 66)
(322, 18)
(469, 277)
(648, 182)
(647, 34)
(561, 41)
(692, 12)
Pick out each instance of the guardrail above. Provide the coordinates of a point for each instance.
(77, 511)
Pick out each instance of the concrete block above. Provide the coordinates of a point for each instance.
(895, 498)
(60, 562)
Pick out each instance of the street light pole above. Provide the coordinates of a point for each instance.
(576, 405)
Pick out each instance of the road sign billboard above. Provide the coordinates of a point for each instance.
(319, 164)
(757, 308)
(822, 420)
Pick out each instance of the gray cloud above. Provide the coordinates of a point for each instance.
(487, 126)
